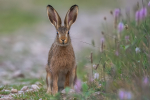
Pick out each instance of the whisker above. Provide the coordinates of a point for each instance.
(88, 44)
(75, 38)
(109, 34)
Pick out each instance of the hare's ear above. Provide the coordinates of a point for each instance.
(71, 16)
(53, 16)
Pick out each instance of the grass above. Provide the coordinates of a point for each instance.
(1, 88)
(14, 19)
(4, 92)
(34, 95)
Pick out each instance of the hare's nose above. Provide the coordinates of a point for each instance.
(63, 40)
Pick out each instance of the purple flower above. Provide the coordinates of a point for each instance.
(102, 44)
(121, 94)
(102, 40)
(78, 85)
(127, 38)
(124, 95)
(145, 80)
(117, 53)
(149, 3)
(120, 27)
(143, 13)
(117, 12)
(137, 16)
(128, 95)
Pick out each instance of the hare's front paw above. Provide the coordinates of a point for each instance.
(49, 91)
(55, 92)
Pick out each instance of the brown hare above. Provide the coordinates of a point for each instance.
(61, 66)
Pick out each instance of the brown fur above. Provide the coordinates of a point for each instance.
(61, 66)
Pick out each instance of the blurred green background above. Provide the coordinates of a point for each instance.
(19, 13)
(26, 33)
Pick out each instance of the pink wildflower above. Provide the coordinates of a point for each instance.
(143, 13)
(149, 3)
(78, 85)
(117, 12)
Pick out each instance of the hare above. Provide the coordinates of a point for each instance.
(61, 66)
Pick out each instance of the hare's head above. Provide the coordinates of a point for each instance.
(62, 37)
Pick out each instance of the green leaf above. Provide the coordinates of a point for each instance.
(1, 88)
(67, 89)
(127, 46)
(84, 87)
(123, 46)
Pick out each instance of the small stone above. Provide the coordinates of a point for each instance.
(35, 87)
(14, 90)
(7, 90)
(13, 94)
(96, 93)
(63, 91)
(24, 88)
(70, 91)
(6, 98)
(40, 99)
(20, 92)
(18, 74)
(29, 90)
(38, 83)
(10, 95)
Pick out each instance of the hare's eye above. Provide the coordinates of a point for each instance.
(57, 33)
(68, 32)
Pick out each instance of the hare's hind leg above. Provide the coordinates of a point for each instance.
(55, 85)
(49, 81)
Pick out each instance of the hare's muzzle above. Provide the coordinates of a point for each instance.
(63, 39)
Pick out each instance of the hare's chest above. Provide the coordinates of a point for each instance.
(63, 62)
